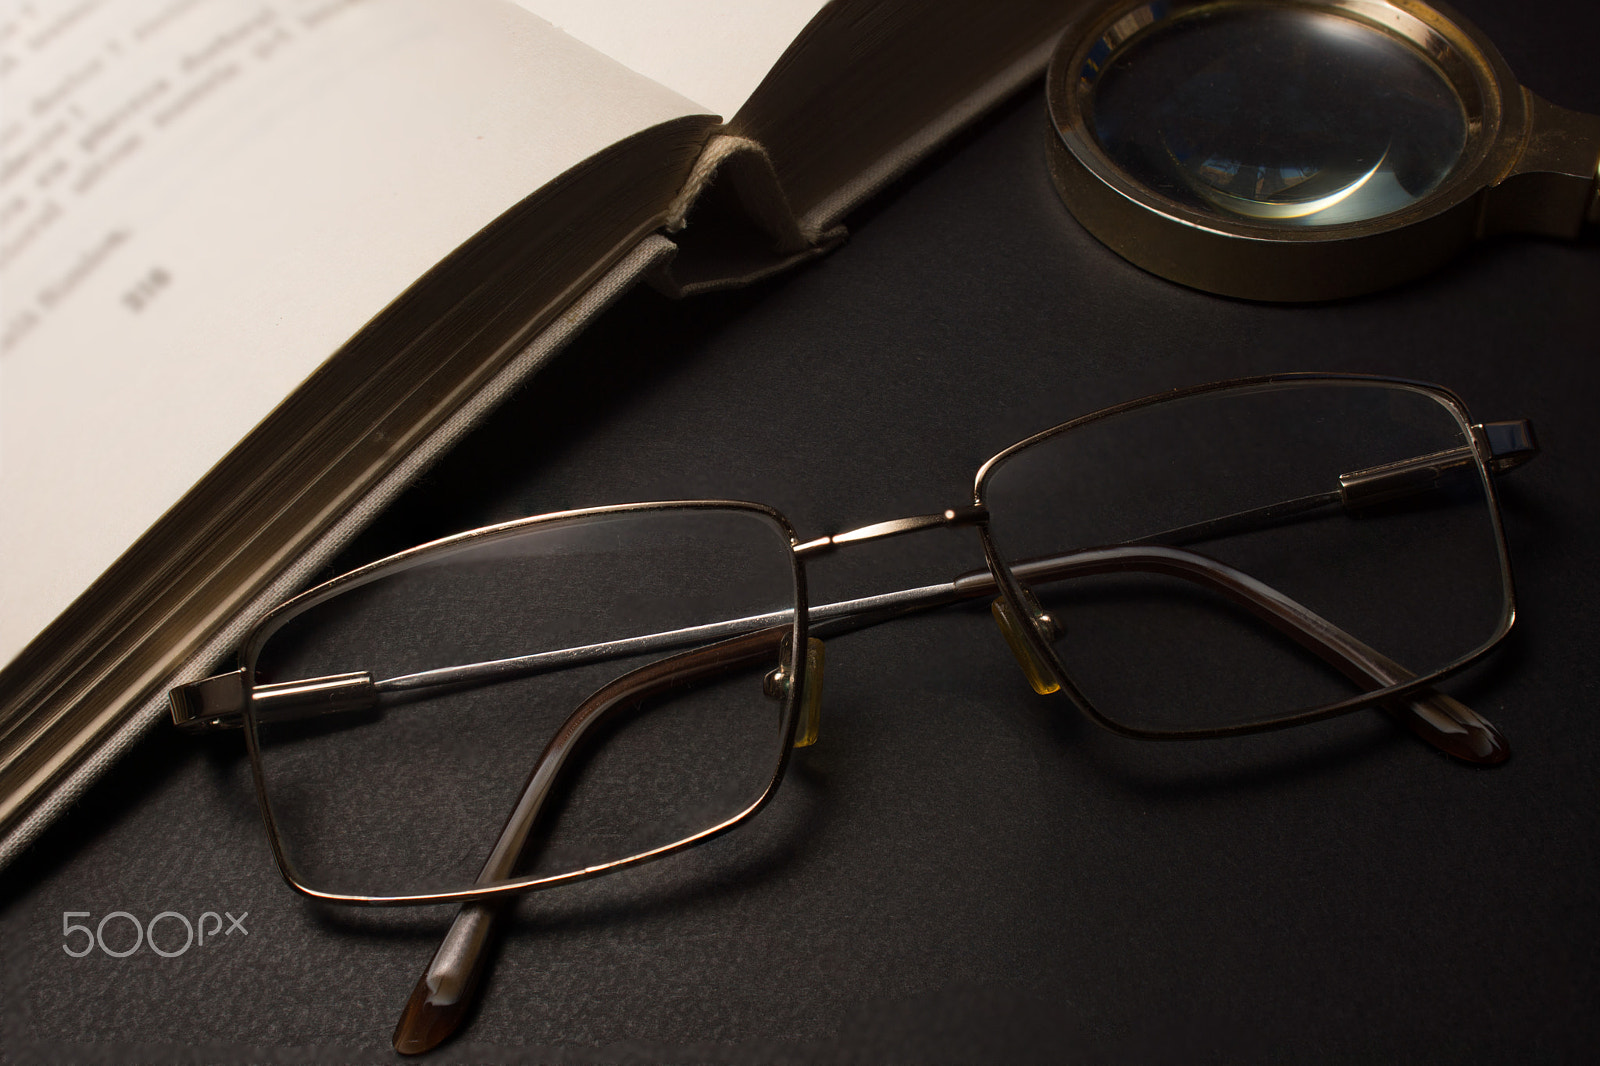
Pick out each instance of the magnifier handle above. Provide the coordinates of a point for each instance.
(1553, 187)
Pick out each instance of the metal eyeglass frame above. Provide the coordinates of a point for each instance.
(233, 700)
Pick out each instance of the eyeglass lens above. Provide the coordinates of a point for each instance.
(411, 795)
(1361, 504)
(1284, 116)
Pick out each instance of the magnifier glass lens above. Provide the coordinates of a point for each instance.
(1280, 116)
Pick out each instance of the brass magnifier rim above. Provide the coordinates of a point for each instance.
(1266, 262)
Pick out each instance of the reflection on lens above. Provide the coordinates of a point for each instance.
(659, 734)
(1359, 504)
(1284, 116)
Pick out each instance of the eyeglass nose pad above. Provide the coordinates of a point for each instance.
(1035, 669)
(776, 685)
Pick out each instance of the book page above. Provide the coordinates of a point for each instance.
(201, 201)
(714, 52)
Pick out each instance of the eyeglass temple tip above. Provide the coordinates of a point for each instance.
(445, 991)
(1452, 727)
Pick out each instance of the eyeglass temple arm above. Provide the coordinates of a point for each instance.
(445, 990)
(218, 702)
(1442, 721)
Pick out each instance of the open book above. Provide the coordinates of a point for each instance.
(260, 262)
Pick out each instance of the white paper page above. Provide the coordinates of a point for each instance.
(714, 52)
(199, 202)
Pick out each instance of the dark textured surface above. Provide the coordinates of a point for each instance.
(959, 871)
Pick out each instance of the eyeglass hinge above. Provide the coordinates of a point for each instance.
(1504, 446)
(219, 702)
(214, 703)
(1511, 443)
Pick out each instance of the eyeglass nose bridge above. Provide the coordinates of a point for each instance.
(1038, 672)
(952, 516)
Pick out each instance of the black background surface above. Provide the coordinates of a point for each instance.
(960, 871)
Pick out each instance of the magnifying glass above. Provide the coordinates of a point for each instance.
(1305, 149)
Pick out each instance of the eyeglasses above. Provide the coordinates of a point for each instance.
(559, 697)
(1305, 149)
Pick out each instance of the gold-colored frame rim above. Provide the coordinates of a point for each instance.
(1256, 261)
(792, 699)
(1063, 677)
